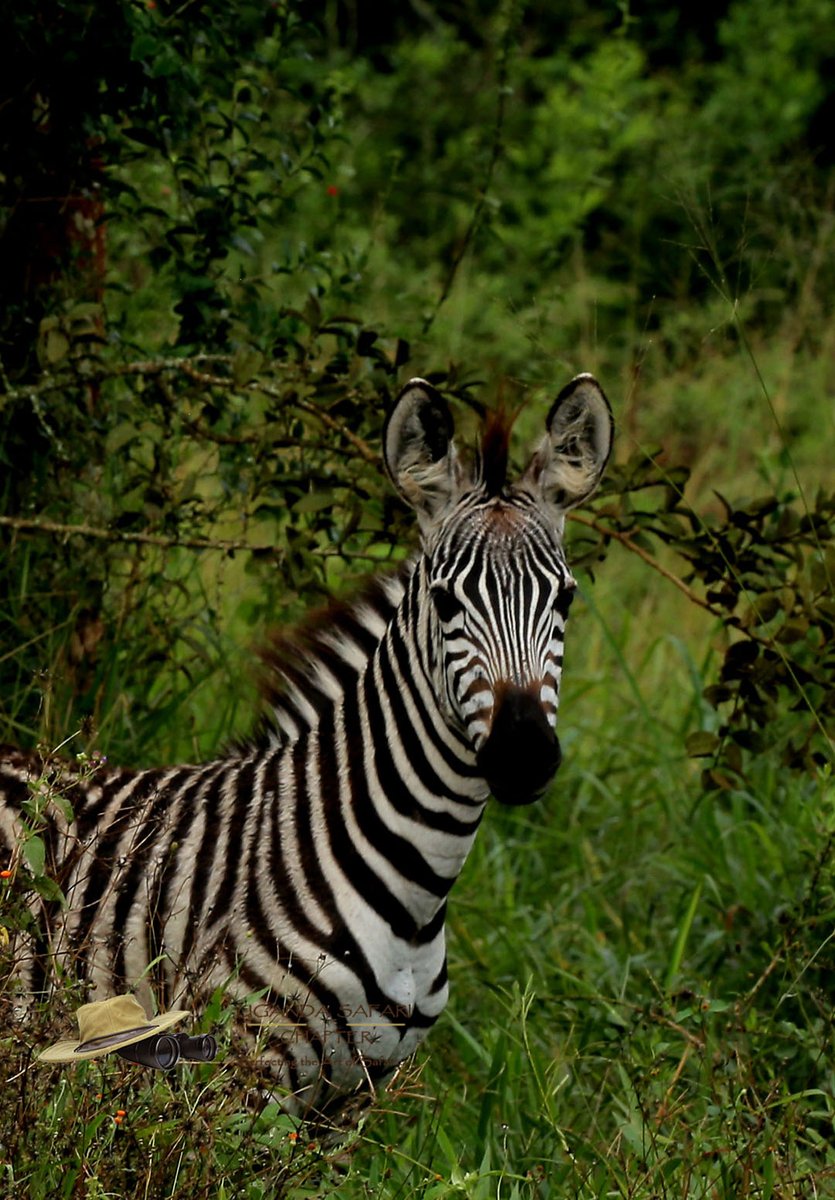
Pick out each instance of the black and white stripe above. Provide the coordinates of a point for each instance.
(307, 874)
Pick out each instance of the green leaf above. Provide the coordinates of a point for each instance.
(120, 436)
(312, 312)
(674, 964)
(144, 46)
(314, 502)
(246, 364)
(54, 346)
(49, 889)
(167, 62)
(701, 743)
(145, 137)
(64, 806)
(34, 851)
(792, 631)
(763, 610)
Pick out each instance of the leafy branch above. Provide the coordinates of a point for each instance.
(88, 370)
(764, 570)
(137, 537)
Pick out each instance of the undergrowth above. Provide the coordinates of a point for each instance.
(640, 971)
(642, 964)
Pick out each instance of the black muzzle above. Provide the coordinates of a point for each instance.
(522, 753)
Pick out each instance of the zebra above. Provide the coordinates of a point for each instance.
(306, 873)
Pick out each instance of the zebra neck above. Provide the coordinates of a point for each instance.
(419, 796)
(382, 792)
(435, 760)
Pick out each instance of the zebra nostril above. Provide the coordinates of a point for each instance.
(522, 752)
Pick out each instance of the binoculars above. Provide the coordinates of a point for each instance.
(164, 1050)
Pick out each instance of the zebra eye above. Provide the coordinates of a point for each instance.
(564, 598)
(446, 605)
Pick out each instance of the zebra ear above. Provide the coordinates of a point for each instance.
(417, 447)
(570, 461)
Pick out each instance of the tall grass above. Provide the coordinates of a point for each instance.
(640, 969)
(640, 976)
(640, 1010)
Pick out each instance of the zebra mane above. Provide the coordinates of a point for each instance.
(304, 668)
(495, 446)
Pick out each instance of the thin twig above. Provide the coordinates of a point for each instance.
(192, 368)
(663, 1110)
(625, 540)
(360, 445)
(98, 533)
(495, 151)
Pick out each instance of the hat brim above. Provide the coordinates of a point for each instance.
(68, 1051)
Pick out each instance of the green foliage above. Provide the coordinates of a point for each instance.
(112, 1132)
(188, 164)
(193, 455)
(771, 70)
(228, 235)
(568, 166)
(766, 569)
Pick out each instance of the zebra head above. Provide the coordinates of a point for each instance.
(494, 567)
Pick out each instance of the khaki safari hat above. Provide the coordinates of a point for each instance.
(107, 1025)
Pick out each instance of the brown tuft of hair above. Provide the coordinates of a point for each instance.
(495, 445)
(287, 668)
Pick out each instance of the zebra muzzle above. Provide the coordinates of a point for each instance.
(522, 752)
